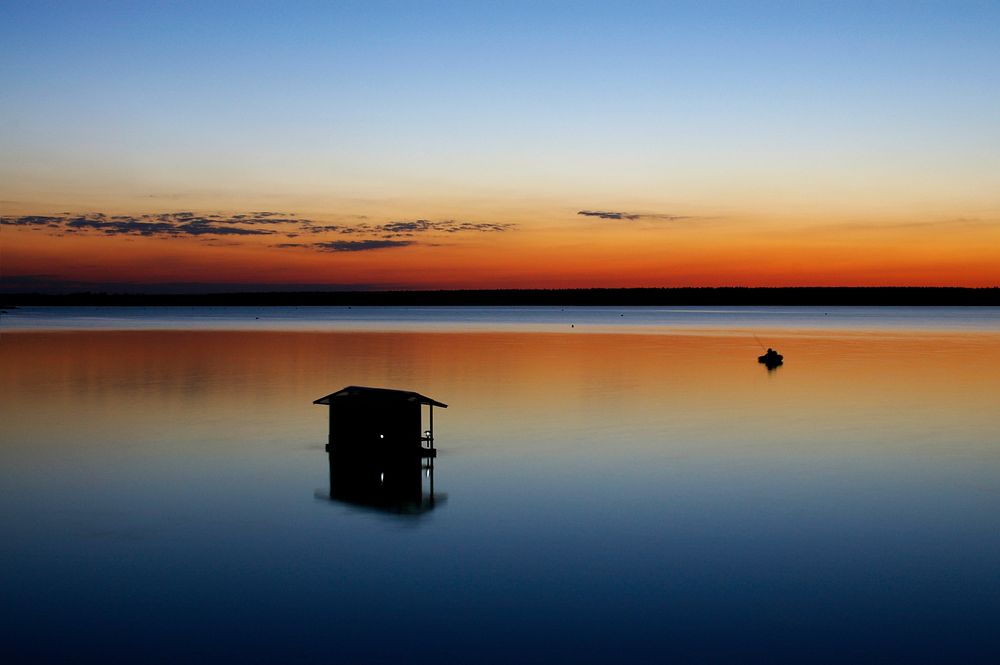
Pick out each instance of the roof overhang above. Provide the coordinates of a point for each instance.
(387, 394)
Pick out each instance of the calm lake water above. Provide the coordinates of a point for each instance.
(634, 488)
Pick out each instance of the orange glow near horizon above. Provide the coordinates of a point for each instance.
(566, 252)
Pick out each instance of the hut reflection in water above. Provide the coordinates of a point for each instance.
(379, 452)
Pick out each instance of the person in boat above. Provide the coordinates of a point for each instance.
(772, 357)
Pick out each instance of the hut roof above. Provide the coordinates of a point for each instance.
(379, 393)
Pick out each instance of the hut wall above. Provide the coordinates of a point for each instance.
(368, 425)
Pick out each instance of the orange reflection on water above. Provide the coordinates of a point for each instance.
(161, 391)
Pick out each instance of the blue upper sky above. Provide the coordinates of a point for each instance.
(537, 97)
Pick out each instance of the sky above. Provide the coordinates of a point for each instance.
(414, 145)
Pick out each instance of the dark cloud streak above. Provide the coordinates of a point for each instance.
(195, 227)
(346, 245)
(164, 225)
(631, 216)
(360, 245)
(409, 228)
(210, 227)
(31, 220)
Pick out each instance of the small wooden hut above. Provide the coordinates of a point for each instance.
(367, 421)
(379, 451)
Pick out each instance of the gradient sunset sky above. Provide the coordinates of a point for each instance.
(507, 144)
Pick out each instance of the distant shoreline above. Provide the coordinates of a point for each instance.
(690, 296)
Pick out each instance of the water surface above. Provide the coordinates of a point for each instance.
(643, 493)
(713, 320)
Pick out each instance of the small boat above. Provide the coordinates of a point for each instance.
(772, 358)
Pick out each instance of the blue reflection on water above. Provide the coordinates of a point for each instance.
(498, 318)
